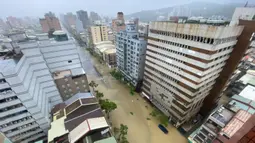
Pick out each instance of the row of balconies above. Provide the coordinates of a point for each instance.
(21, 129)
(191, 43)
(16, 124)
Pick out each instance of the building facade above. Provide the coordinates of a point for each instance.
(50, 21)
(83, 17)
(109, 56)
(28, 93)
(98, 34)
(61, 54)
(182, 64)
(245, 13)
(131, 54)
(27, 87)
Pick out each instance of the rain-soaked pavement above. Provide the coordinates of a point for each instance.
(140, 129)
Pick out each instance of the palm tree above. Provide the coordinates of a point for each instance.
(93, 85)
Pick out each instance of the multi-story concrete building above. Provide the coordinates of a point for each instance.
(131, 53)
(27, 87)
(50, 22)
(118, 24)
(70, 19)
(83, 16)
(99, 33)
(94, 17)
(246, 13)
(28, 93)
(182, 64)
(61, 53)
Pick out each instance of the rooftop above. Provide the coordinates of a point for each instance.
(248, 78)
(248, 92)
(236, 123)
(62, 74)
(103, 42)
(65, 73)
(74, 114)
(58, 32)
(223, 115)
(110, 51)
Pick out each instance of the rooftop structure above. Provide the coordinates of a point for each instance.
(78, 118)
(70, 82)
(101, 47)
(239, 129)
(216, 121)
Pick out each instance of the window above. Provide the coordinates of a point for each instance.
(69, 61)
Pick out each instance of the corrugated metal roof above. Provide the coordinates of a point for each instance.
(236, 123)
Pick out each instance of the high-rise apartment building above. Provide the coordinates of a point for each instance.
(182, 64)
(94, 17)
(27, 87)
(50, 21)
(28, 93)
(70, 19)
(131, 53)
(242, 48)
(99, 33)
(83, 16)
(245, 13)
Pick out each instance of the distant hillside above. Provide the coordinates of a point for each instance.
(204, 9)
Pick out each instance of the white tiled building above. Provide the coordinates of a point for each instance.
(27, 89)
(182, 64)
(131, 53)
(27, 93)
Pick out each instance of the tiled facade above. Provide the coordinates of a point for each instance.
(130, 54)
(182, 64)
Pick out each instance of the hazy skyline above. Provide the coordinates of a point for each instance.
(37, 8)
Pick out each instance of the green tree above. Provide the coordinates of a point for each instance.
(163, 120)
(108, 106)
(124, 139)
(93, 85)
(132, 90)
(123, 131)
(99, 95)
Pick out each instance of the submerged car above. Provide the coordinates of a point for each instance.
(163, 129)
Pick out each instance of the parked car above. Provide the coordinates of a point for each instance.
(163, 129)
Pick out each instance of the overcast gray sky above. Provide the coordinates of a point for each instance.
(22, 8)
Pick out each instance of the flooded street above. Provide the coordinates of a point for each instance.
(140, 128)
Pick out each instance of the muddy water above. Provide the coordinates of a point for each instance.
(140, 129)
